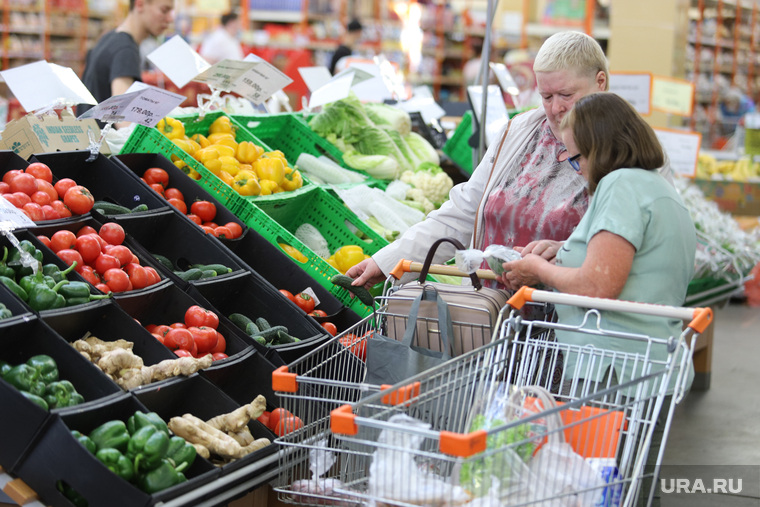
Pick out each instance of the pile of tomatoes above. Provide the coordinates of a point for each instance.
(196, 336)
(305, 302)
(281, 421)
(101, 257)
(33, 192)
(201, 212)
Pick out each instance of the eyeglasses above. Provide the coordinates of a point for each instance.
(574, 162)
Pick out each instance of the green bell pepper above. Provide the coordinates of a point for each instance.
(4, 367)
(5, 313)
(71, 494)
(46, 366)
(180, 453)
(116, 462)
(14, 260)
(141, 419)
(85, 441)
(53, 271)
(28, 282)
(77, 293)
(147, 448)
(25, 378)
(42, 297)
(111, 434)
(62, 394)
(4, 269)
(14, 287)
(35, 399)
(160, 478)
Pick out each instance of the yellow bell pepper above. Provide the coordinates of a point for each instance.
(247, 167)
(270, 169)
(225, 177)
(171, 128)
(222, 124)
(269, 187)
(276, 154)
(223, 150)
(292, 181)
(207, 153)
(214, 165)
(246, 183)
(331, 262)
(226, 141)
(194, 174)
(200, 139)
(229, 164)
(215, 138)
(293, 252)
(179, 163)
(248, 152)
(185, 145)
(348, 256)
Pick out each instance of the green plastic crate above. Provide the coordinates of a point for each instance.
(457, 148)
(277, 220)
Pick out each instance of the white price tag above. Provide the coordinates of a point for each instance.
(635, 88)
(145, 106)
(315, 77)
(426, 106)
(10, 214)
(256, 80)
(338, 88)
(178, 61)
(42, 84)
(682, 149)
(496, 110)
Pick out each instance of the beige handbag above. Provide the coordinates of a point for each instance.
(474, 309)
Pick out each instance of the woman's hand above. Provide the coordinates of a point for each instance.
(523, 272)
(366, 273)
(545, 248)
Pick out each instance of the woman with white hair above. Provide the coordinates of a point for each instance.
(523, 190)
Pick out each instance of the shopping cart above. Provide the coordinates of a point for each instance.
(419, 442)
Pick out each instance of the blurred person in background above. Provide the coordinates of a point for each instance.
(350, 38)
(114, 63)
(224, 42)
(734, 104)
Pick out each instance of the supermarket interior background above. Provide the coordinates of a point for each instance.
(690, 67)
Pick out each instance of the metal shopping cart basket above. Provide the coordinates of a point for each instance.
(415, 443)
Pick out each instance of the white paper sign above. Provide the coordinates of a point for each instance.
(145, 106)
(336, 89)
(635, 88)
(506, 81)
(256, 80)
(315, 77)
(178, 61)
(10, 213)
(391, 78)
(682, 149)
(372, 89)
(426, 106)
(496, 110)
(42, 84)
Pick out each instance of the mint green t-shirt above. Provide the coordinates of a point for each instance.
(643, 208)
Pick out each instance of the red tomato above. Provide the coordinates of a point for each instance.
(159, 338)
(181, 352)
(89, 246)
(208, 230)
(305, 302)
(121, 252)
(205, 338)
(179, 204)
(90, 275)
(276, 415)
(139, 277)
(151, 328)
(63, 185)
(7, 177)
(50, 212)
(162, 329)
(156, 175)
(104, 262)
(158, 188)
(4, 187)
(40, 198)
(288, 294)
(63, 239)
(178, 325)
(221, 344)
(195, 218)
(204, 209)
(264, 418)
(318, 313)
(213, 225)
(235, 228)
(153, 276)
(78, 199)
(330, 328)
(33, 211)
(356, 345)
(222, 232)
(40, 170)
(86, 230)
(198, 316)
(48, 188)
(288, 425)
(44, 240)
(105, 289)
(218, 356)
(69, 256)
(61, 208)
(113, 233)
(174, 193)
(175, 338)
(25, 183)
(18, 199)
(116, 279)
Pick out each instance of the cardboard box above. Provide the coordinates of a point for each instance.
(737, 198)
(43, 134)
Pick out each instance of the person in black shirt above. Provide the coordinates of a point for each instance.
(350, 38)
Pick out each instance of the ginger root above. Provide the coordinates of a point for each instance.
(197, 431)
(243, 436)
(114, 361)
(238, 418)
(202, 451)
(96, 348)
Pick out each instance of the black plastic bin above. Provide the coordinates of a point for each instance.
(197, 396)
(243, 378)
(58, 456)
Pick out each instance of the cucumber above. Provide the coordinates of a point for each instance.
(252, 329)
(208, 273)
(360, 292)
(271, 333)
(165, 261)
(109, 208)
(190, 274)
(139, 208)
(262, 323)
(240, 320)
(220, 269)
(284, 338)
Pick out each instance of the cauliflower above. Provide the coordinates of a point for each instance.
(435, 185)
(418, 196)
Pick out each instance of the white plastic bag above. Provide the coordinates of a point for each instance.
(315, 489)
(470, 260)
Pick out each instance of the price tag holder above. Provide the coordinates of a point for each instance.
(497, 115)
(256, 80)
(41, 84)
(674, 96)
(338, 88)
(145, 106)
(636, 88)
(12, 218)
(682, 149)
(315, 77)
(178, 61)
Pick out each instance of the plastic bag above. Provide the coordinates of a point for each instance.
(315, 490)
(395, 475)
(495, 255)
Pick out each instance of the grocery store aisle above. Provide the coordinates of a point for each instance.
(721, 426)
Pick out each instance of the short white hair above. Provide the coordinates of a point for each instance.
(574, 51)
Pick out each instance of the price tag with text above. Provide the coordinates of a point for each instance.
(674, 96)
(636, 88)
(255, 80)
(178, 61)
(682, 149)
(145, 106)
(12, 217)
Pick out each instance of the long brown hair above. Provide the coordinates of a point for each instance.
(611, 135)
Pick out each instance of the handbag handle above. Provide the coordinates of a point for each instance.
(431, 253)
(445, 326)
